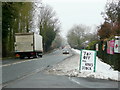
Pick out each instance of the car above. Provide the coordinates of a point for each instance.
(65, 52)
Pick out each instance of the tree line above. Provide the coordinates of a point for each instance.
(111, 25)
(17, 18)
(79, 36)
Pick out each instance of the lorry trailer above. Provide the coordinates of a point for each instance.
(28, 45)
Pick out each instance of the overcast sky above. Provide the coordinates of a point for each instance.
(71, 12)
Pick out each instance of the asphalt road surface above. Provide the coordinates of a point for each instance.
(19, 68)
(29, 73)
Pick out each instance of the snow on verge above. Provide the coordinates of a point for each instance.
(70, 67)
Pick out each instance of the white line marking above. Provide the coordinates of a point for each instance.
(74, 80)
(18, 62)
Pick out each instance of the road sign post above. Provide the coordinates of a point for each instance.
(117, 44)
(88, 60)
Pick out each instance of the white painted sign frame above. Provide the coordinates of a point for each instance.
(88, 60)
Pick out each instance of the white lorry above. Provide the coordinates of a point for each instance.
(28, 45)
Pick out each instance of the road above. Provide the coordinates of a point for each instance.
(29, 73)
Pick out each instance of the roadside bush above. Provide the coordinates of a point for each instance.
(91, 45)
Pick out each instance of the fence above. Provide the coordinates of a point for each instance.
(111, 59)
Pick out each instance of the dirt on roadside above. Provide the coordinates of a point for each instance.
(66, 67)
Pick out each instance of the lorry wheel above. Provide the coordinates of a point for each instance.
(35, 56)
(28, 57)
(41, 56)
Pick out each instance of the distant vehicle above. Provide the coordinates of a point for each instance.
(65, 52)
(28, 45)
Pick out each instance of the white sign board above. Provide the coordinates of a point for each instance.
(88, 60)
(117, 46)
(97, 47)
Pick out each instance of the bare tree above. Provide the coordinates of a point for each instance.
(76, 36)
(49, 25)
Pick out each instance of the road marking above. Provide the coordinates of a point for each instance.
(73, 80)
(18, 62)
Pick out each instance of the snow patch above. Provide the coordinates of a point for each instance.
(70, 67)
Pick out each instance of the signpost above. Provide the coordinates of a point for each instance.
(97, 47)
(88, 60)
(110, 47)
(117, 46)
